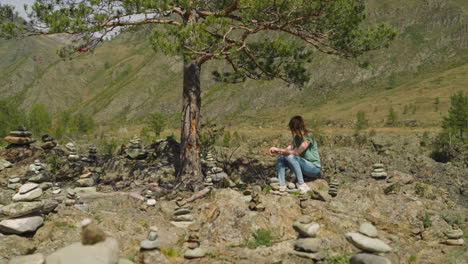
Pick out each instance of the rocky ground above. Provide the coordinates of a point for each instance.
(378, 196)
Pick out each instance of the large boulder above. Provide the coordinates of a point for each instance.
(21, 225)
(21, 209)
(106, 252)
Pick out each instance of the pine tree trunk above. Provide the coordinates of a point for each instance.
(190, 176)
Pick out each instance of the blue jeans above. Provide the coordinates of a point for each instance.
(298, 165)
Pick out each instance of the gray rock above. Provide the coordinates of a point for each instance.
(218, 176)
(14, 186)
(87, 182)
(367, 244)
(21, 209)
(49, 205)
(14, 180)
(183, 225)
(311, 245)
(368, 229)
(30, 196)
(5, 197)
(364, 258)
(454, 234)
(46, 185)
(21, 225)
(41, 177)
(27, 187)
(150, 244)
(136, 154)
(4, 164)
(106, 252)
(85, 189)
(306, 230)
(455, 242)
(194, 253)
(28, 259)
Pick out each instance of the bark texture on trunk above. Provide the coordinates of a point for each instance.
(190, 176)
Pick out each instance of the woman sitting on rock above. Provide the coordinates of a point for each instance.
(302, 157)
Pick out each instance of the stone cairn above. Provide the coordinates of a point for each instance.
(182, 214)
(23, 215)
(454, 237)
(274, 184)
(378, 171)
(20, 138)
(48, 142)
(92, 154)
(255, 203)
(215, 174)
(367, 241)
(72, 153)
(38, 173)
(152, 241)
(136, 151)
(193, 243)
(89, 178)
(333, 191)
(307, 245)
(72, 198)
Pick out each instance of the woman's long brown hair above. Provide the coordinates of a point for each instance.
(298, 127)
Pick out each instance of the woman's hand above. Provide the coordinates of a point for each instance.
(274, 150)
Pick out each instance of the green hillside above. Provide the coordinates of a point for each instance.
(124, 79)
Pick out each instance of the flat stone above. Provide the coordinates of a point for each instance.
(379, 175)
(306, 230)
(4, 164)
(368, 229)
(312, 256)
(194, 253)
(151, 202)
(182, 211)
(454, 234)
(367, 244)
(30, 196)
(41, 177)
(106, 252)
(150, 244)
(21, 208)
(274, 180)
(28, 259)
(311, 245)
(364, 258)
(27, 187)
(69, 202)
(377, 166)
(85, 189)
(183, 225)
(455, 242)
(379, 170)
(14, 180)
(180, 218)
(57, 191)
(20, 133)
(19, 140)
(21, 225)
(291, 185)
(14, 186)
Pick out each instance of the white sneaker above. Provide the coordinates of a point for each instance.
(282, 188)
(304, 188)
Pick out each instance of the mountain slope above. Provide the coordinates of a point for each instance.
(124, 79)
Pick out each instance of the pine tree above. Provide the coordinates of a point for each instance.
(457, 119)
(258, 39)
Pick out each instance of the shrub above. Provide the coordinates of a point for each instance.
(447, 144)
(227, 139)
(170, 252)
(361, 120)
(209, 135)
(156, 122)
(427, 221)
(392, 117)
(10, 117)
(262, 237)
(39, 119)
